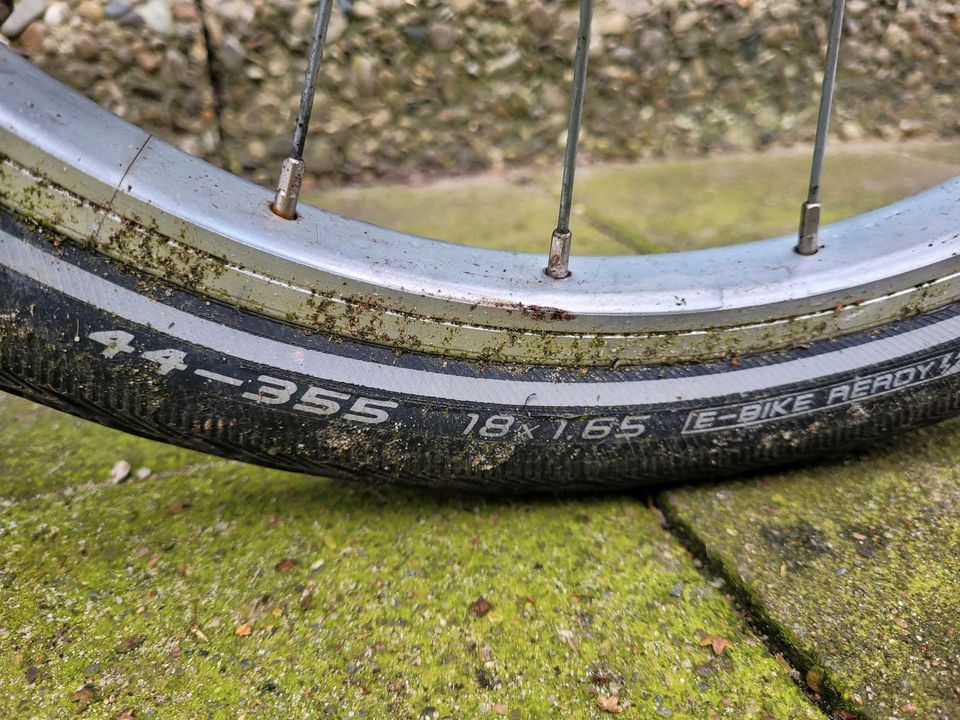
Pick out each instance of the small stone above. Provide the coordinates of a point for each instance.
(56, 14)
(540, 19)
(363, 9)
(86, 47)
(147, 60)
(442, 36)
(687, 21)
(614, 24)
(143, 473)
(185, 12)
(653, 41)
(91, 11)
(851, 130)
(131, 19)
(337, 25)
(24, 13)
(363, 72)
(504, 63)
(31, 39)
(895, 37)
(119, 472)
(116, 9)
(232, 52)
(156, 14)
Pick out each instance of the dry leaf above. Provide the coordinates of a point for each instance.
(479, 607)
(716, 642)
(610, 704)
(285, 565)
(244, 630)
(83, 697)
(126, 714)
(129, 644)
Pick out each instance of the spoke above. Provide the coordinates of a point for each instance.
(292, 169)
(559, 259)
(809, 235)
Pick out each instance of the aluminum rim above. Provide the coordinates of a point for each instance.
(111, 186)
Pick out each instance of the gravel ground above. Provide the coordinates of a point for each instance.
(146, 62)
(423, 86)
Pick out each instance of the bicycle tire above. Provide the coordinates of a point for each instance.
(112, 342)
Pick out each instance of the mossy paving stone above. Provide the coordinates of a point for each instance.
(652, 206)
(687, 204)
(855, 564)
(487, 210)
(360, 602)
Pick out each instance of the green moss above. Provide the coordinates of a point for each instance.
(854, 564)
(138, 590)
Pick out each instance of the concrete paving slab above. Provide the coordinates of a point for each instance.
(489, 210)
(651, 206)
(855, 565)
(232, 591)
(687, 204)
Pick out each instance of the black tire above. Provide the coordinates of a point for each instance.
(64, 310)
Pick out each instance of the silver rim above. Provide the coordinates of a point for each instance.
(114, 188)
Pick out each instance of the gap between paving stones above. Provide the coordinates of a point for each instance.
(761, 623)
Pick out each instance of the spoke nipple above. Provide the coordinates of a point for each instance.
(558, 264)
(288, 188)
(809, 240)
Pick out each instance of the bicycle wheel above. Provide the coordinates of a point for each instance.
(150, 291)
